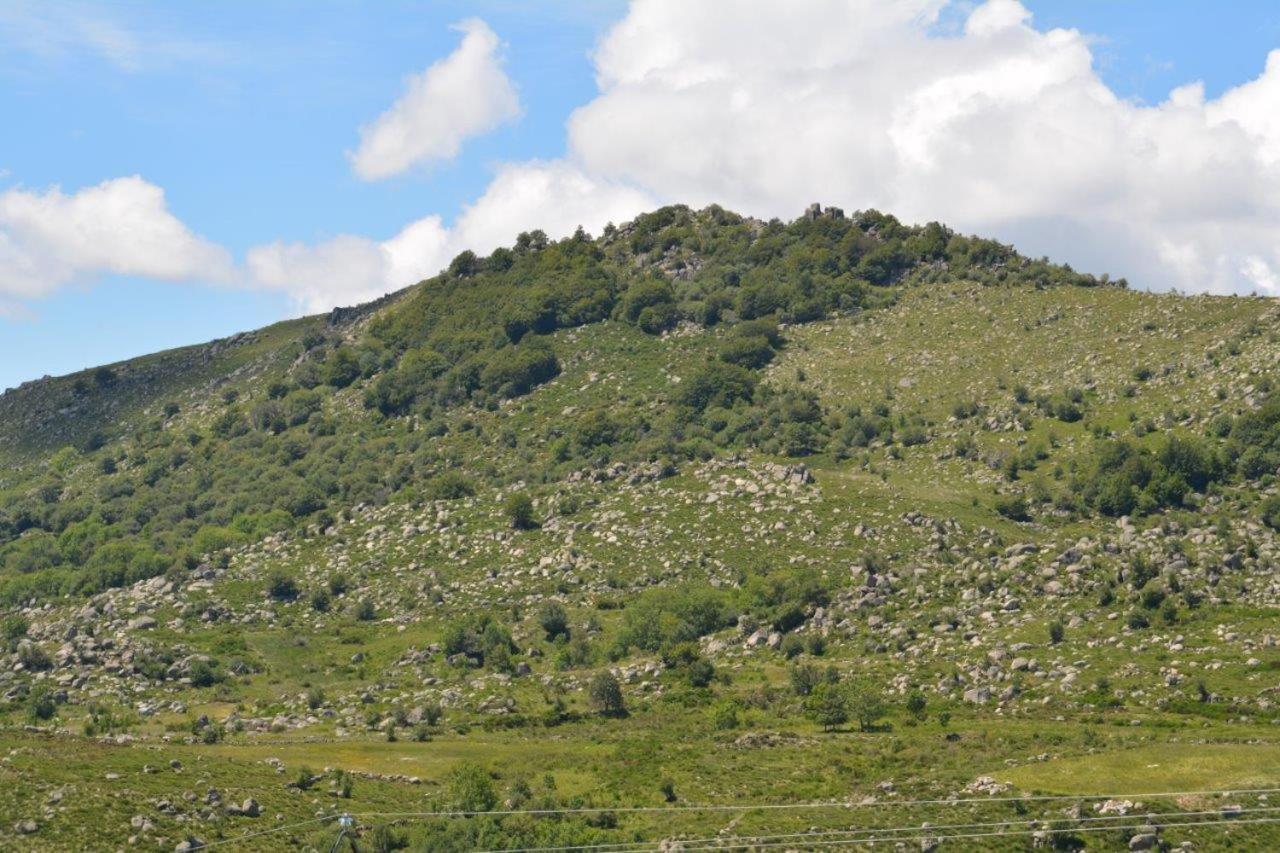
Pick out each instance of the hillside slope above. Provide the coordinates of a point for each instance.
(704, 511)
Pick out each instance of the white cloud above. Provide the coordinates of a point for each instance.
(122, 226)
(554, 197)
(998, 128)
(465, 94)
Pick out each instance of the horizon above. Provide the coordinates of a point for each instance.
(176, 180)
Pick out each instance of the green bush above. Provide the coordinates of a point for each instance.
(752, 353)
(664, 617)
(450, 486)
(553, 620)
(716, 384)
(517, 369)
(518, 508)
(282, 586)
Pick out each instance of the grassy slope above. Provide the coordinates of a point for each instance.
(953, 344)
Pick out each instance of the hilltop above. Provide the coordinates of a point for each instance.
(705, 509)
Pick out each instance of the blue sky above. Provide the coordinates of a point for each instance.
(244, 114)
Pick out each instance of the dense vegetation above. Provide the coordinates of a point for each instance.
(704, 511)
(176, 489)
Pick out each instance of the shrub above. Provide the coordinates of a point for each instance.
(916, 704)
(804, 678)
(751, 352)
(716, 384)
(450, 486)
(518, 509)
(204, 673)
(480, 638)
(644, 295)
(470, 789)
(725, 716)
(517, 369)
(1013, 507)
(553, 620)
(1057, 631)
(1269, 512)
(40, 703)
(32, 657)
(660, 618)
(658, 318)
(282, 586)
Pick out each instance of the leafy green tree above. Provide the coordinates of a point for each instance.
(605, 694)
(828, 706)
(866, 704)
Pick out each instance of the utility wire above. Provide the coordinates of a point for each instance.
(1169, 819)
(925, 834)
(274, 829)
(822, 804)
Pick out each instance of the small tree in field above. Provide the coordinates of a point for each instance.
(553, 620)
(866, 705)
(916, 704)
(606, 695)
(828, 706)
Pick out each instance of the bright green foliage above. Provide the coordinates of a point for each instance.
(828, 705)
(606, 695)
(470, 789)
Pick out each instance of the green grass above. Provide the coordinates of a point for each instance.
(1155, 769)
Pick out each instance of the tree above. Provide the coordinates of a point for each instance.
(519, 511)
(828, 706)
(866, 705)
(553, 619)
(606, 695)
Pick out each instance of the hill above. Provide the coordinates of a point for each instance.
(705, 510)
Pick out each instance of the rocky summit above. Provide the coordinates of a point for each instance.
(706, 528)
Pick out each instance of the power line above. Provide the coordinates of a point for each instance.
(274, 829)
(925, 834)
(718, 842)
(1171, 819)
(821, 804)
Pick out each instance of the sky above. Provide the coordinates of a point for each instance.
(172, 173)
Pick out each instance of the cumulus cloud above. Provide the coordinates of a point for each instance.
(998, 128)
(49, 239)
(995, 127)
(553, 196)
(465, 94)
